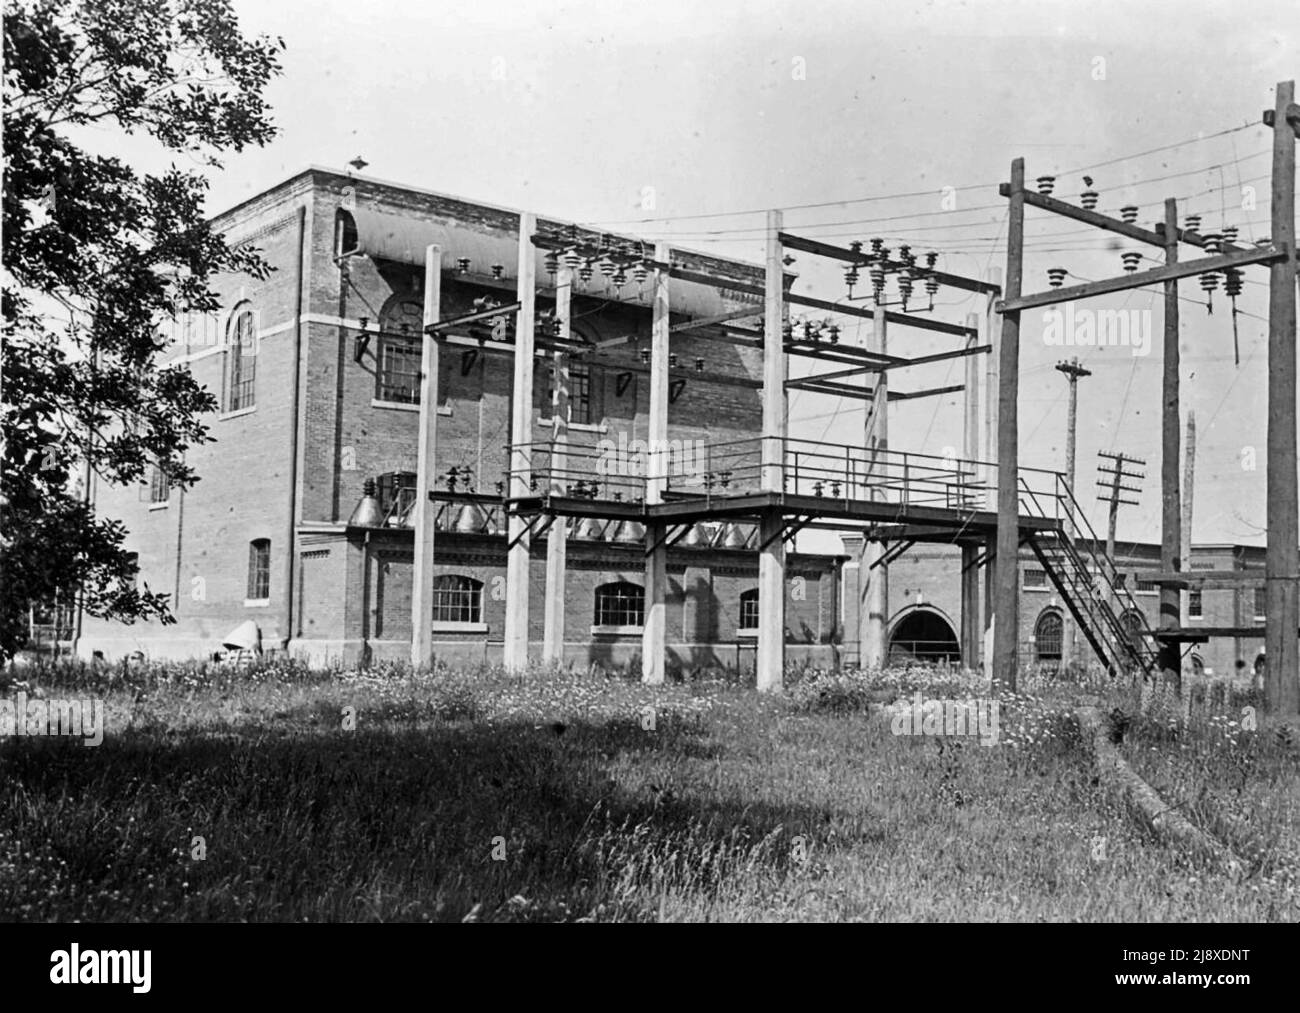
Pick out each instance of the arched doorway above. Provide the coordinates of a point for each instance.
(923, 635)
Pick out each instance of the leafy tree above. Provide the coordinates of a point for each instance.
(97, 257)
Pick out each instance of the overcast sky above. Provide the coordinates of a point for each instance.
(583, 109)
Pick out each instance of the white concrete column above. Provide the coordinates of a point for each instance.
(653, 638)
(521, 436)
(426, 463)
(770, 666)
(557, 538)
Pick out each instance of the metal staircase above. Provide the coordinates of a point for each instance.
(1090, 586)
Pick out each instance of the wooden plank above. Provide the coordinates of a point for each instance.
(1093, 218)
(1171, 420)
(832, 252)
(1203, 579)
(721, 318)
(1140, 279)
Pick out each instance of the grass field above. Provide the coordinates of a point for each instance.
(284, 794)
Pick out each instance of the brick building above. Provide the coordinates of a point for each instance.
(316, 369)
(317, 372)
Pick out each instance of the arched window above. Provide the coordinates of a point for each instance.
(259, 569)
(620, 604)
(749, 609)
(345, 234)
(241, 362)
(1133, 623)
(457, 599)
(397, 376)
(1047, 636)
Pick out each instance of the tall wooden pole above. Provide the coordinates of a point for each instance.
(992, 385)
(1006, 626)
(770, 664)
(521, 438)
(970, 581)
(1073, 372)
(1170, 654)
(557, 538)
(653, 634)
(426, 463)
(875, 438)
(1282, 564)
(1189, 490)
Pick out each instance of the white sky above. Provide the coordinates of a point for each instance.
(572, 109)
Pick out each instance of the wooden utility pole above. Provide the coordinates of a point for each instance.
(1170, 653)
(518, 556)
(770, 662)
(1006, 627)
(557, 538)
(653, 634)
(992, 338)
(1282, 566)
(1073, 373)
(970, 577)
(875, 438)
(426, 463)
(1112, 480)
(1189, 486)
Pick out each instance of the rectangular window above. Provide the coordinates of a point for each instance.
(620, 605)
(579, 393)
(1195, 607)
(1145, 586)
(1261, 603)
(749, 610)
(160, 487)
(1035, 578)
(399, 370)
(457, 600)
(259, 569)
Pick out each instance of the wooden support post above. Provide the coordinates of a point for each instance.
(1185, 526)
(426, 465)
(1170, 653)
(521, 437)
(557, 538)
(770, 664)
(971, 623)
(1282, 562)
(1007, 578)
(992, 336)
(875, 439)
(1073, 372)
(653, 635)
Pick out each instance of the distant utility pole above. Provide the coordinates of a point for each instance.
(1114, 469)
(1073, 372)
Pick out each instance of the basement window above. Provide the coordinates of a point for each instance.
(1035, 579)
(620, 607)
(457, 600)
(1048, 636)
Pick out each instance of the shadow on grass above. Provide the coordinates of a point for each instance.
(299, 819)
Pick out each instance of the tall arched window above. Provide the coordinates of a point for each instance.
(241, 362)
(457, 599)
(620, 604)
(259, 569)
(1047, 636)
(749, 609)
(397, 375)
